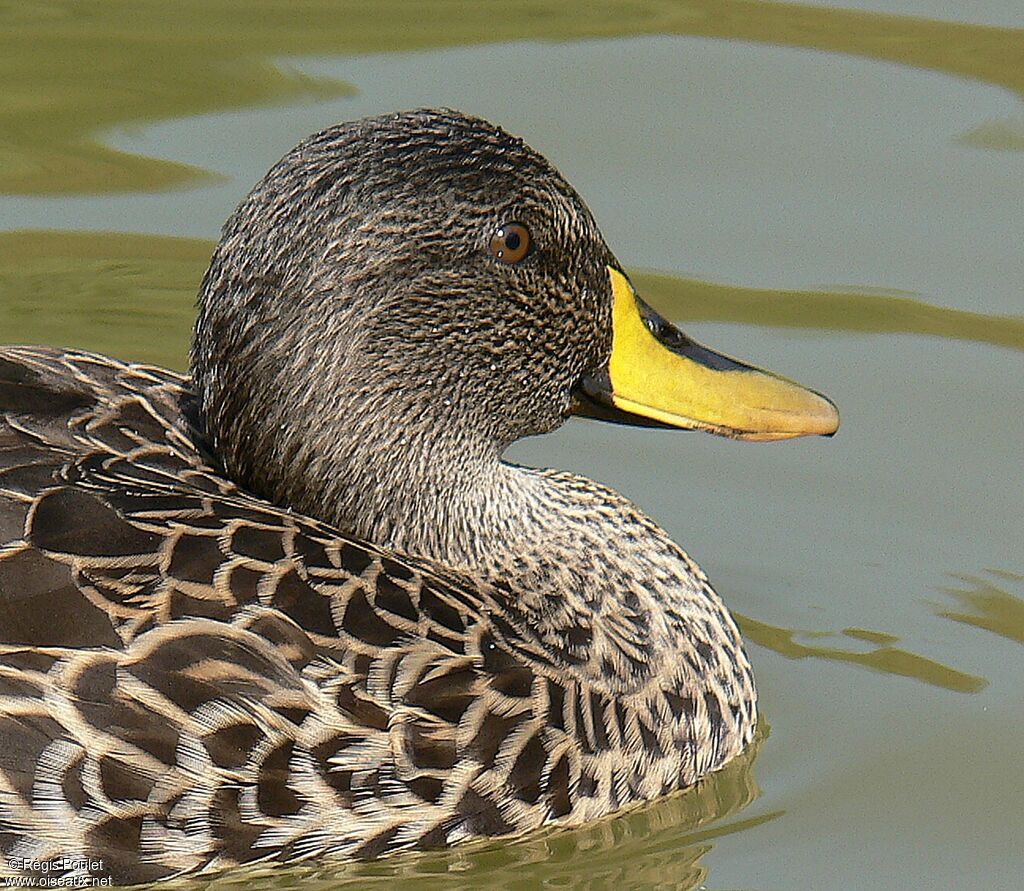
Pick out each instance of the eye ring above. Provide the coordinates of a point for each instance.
(511, 243)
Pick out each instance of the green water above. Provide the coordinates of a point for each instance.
(835, 194)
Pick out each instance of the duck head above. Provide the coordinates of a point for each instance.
(402, 297)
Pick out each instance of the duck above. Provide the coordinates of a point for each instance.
(294, 605)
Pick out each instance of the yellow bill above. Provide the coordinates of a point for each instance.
(659, 375)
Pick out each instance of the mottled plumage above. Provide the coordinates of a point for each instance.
(296, 606)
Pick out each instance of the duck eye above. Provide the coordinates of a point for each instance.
(510, 242)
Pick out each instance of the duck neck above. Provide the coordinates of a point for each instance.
(602, 588)
(449, 499)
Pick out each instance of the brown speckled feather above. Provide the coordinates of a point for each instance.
(192, 677)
